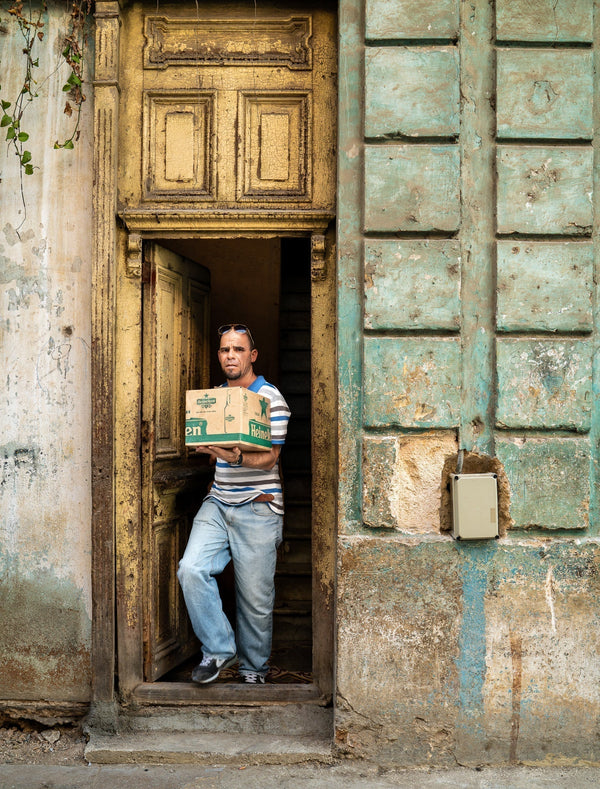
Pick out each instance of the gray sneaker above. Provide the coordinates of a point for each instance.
(209, 668)
(253, 678)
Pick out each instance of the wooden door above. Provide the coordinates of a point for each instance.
(176, 312)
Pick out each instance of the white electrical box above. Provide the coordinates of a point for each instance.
(474, 506)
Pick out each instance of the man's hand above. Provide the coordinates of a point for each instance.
(263, 460)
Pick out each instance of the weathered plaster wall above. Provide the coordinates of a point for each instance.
(455, 652)
(467, 319)
(45, 504)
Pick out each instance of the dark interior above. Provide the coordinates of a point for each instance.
(265, 283)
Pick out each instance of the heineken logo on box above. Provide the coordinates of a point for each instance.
(194, 428)
(228, 416)
(206, 401)
(259, 431)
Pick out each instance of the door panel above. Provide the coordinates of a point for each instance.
(237, 106)
(169, 315)
(176, 312)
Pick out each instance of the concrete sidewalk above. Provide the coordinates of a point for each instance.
(342, 775)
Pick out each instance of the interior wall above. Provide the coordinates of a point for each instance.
(245, 284)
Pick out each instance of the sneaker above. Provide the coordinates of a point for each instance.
(253, 678)
(209, 668)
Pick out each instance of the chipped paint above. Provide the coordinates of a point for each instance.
(402, 481)
(44, 358)
(471, 660)
(498, 355)
(448, 337)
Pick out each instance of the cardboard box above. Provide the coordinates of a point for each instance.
(228, 416)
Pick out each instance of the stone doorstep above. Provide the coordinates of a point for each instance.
(205, 748)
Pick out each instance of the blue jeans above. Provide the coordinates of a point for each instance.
(250, 535)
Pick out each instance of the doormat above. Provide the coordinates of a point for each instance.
(276, 676)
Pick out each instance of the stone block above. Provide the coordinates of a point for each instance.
(412, 284)
(412, 382)
(549, 481)
(411, 91)
(545, 93)
(412, 188)
(545, 190)
(544, 20)
(544, 286)
(402, 481)
(544, 383)
(402, 19)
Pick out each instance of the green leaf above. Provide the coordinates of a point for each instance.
(28, 169)
(23, 137)
(65, 52)
(26, 157)
(74, 79)
(56, 145)
(6, 120)
(5, 104)
(10, 134)
(69, 145)
(67, 87)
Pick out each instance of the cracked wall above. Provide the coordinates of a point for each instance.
(467, 320)
(45, 502)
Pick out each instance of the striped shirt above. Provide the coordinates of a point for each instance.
(239, 485)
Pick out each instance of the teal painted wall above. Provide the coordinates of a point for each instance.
(467, 317)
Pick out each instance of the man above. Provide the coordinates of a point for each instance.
(240, 519)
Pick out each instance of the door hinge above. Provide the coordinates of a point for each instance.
(146, 270)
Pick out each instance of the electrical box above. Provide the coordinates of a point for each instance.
(474, 506)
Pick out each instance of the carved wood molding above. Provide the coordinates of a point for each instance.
(275, 156)
(106, 63)
(179, 150)
(133, 264)
(106, 117)
(234, 42)
(226, 221)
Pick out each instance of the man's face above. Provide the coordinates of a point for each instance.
(235, 355)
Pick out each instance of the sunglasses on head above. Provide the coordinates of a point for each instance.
(237, 327)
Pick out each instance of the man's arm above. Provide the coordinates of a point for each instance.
(262, 460)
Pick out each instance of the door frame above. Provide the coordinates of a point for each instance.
(116, 361)
(117, 527)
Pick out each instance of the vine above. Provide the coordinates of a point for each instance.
(73, 54)
(31, 29)
(31, 23)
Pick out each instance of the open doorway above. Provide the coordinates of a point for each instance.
(266, 284)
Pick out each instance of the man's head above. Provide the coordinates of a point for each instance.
(237, 353)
